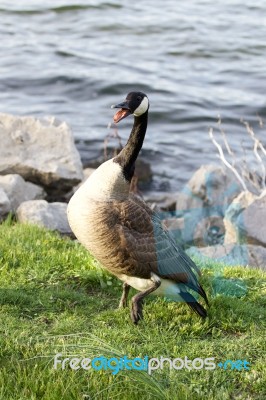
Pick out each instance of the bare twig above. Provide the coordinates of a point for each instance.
(252, 134)
(223, 159)
(257, 144)
(261, 123)
(263, 169)
(113, 134)
(245, 174)
(228, 148)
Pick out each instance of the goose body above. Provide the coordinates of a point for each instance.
(123, 233)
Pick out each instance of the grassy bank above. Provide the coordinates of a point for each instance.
(55, 299)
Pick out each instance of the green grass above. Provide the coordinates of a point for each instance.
(55, 299)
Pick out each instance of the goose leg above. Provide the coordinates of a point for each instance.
(136, 309)
(123, 300)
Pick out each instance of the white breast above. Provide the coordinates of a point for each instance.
(104, 184)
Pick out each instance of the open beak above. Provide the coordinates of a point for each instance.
(123, 112)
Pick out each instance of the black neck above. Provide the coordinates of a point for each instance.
(128, 155)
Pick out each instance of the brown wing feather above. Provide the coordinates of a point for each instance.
(135, 230)
(150, 246)
(133, 241)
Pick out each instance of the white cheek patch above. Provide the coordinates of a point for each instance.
(142, 108)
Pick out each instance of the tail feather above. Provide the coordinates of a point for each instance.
(193, 304)
(199, 289)
(202, 292)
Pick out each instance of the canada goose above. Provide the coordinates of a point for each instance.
(124, 234)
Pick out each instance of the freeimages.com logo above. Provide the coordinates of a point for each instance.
(117, 364)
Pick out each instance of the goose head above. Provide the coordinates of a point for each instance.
(136, 103)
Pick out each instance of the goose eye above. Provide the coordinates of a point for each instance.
(139, 97)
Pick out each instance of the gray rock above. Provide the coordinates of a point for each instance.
(164, 202)
(209, 231)
(186, 201)
(257, 256)
(245, 220)
(18, 190)
(195, 229)
(214, 186)
(49, 215)
(203, 203)
(5, 205)
(232, 214)
(233, 254)
(252, 223)
(41, 151)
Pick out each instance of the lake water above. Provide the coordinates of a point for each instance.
(195, 60)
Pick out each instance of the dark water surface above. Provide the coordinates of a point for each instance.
(194, 59)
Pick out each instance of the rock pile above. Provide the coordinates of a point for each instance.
(220, 220)
(42, 151)
(38, 160)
